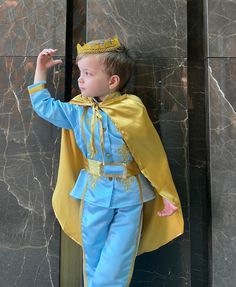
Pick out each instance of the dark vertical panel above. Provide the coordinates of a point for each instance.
(199, 185)
(69, 47)
(71, 263)
(71, 254)
(75, 33)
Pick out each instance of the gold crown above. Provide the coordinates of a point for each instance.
(100, 46)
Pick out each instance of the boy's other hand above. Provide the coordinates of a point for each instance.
(45, 59)
(168, 209)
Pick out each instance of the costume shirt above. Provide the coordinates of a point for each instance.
(99, 190)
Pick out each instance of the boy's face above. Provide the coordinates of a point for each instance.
(93, 80)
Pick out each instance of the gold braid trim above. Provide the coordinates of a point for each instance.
(36, 89)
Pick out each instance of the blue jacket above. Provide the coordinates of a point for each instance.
(100, 190)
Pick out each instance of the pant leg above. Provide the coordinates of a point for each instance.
(94, 226)
(115, 267)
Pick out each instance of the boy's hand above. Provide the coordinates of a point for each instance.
(45, 59)
(44, 62)
(168, 209)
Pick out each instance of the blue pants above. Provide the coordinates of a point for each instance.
(110, 243)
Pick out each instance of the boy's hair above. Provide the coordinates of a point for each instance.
(116, 62)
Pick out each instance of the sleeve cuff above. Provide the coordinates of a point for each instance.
(32, 89)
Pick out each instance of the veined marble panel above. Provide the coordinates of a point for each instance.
(221, 28)
(222, 90)
(27, 27)
(79, 24)
(161, 267)
(29, 233)
(153, 28)
(161, 84)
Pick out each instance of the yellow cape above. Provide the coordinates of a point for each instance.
(130, 117)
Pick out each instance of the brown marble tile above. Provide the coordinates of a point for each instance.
(27, 27)
(29, 148)
(148, 28)
(223, 169)
(221, 28)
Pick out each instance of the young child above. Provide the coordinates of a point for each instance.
(114, 195)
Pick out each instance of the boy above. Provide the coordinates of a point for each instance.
(110, 153)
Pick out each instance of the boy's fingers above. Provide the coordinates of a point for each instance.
(51, 51)
(166, 212)
(57, 62)
(163, 213)
(48, 52)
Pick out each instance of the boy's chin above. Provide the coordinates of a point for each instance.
(87, 95)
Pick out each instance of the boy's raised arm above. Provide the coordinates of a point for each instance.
(52, 110)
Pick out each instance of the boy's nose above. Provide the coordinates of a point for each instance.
(80, 80)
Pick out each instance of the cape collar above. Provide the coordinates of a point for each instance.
(89, 101)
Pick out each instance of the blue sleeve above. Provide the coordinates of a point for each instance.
(54, 111)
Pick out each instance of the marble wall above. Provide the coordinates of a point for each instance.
(185, 76)
(29, 233)
(222, 109)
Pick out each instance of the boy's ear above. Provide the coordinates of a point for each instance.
(114, 82)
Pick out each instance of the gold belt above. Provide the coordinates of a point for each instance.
(97, 168)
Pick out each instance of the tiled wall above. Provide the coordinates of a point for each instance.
(29, 233)
(192, 122)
